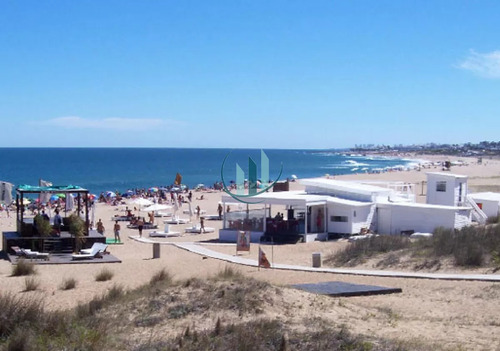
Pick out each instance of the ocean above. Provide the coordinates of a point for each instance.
(120, 169)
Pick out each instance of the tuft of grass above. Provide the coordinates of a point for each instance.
(229, 273)
(162, 276)
(68, 284)
(31, 284)
(16, 311)
(104, 275)
(23, 267)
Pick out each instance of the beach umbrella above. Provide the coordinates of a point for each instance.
(153, 189)
(110, 194)
(54, 197)
(294, 177)
(26, 201)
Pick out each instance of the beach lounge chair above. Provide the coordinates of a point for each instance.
(101, 246)
(196, 229)
(95, 251)
(27, 253)
(177, 220)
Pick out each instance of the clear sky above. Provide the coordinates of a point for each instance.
(254, 73)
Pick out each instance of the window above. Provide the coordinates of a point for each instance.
(338, 219)
(354, 214)
(441, 186)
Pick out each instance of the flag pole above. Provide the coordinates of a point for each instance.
(258, 259)
(272, 252)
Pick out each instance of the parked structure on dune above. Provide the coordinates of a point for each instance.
(332, 208)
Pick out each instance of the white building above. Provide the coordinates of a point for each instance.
(446, 189)
(488, 202)
(334, 207)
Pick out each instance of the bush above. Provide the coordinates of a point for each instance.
(68, 284)
(104, 275)
(23, 267)
(31, 284)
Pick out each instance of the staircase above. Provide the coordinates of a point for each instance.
(478, 214)
(371, 215)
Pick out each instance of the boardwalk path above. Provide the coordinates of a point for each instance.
(202, 249)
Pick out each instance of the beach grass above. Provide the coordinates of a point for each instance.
(23, 267)
(104, 275)
(472, 246)
(68, 284)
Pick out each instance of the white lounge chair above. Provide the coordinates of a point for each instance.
(196, 229)
(101, 246)
(95, 251)
(177, 220)
(35, 254)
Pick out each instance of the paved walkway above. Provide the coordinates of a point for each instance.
(199, 249)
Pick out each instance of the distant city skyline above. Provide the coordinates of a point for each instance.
(248, 74)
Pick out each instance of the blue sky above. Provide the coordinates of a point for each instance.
(254, 73)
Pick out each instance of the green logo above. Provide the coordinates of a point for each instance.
(253, 186)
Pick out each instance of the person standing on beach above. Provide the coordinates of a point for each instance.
(57, 223)
(202, 225)
(117, 231)
(140, 225)
(219, 209)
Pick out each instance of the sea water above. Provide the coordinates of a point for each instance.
(120, 169)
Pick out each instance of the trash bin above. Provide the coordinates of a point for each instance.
(316, 259)
(156, 250)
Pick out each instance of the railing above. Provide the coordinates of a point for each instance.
(477, 213)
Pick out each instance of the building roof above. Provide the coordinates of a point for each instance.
(447, 175)
(293, 198)
(420, 205)
(50, 189)
(351, 203)
(345, 186)
(488, 196)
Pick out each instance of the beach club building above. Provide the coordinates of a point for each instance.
(331, 208)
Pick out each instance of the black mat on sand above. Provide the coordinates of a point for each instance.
(345, 289)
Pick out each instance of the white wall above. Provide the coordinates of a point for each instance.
(489, 207)
(353, 224)
(451, 196)
(393, 219)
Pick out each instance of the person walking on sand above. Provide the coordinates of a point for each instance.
(117, 232)
(140, 225)
(100, 227)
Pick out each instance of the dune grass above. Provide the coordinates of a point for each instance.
(23, 267)
(474, 246)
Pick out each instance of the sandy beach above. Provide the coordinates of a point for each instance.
(448, 313)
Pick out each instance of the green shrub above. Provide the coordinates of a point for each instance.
(23, 267)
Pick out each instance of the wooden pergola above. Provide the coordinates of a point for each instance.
(23, 190)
